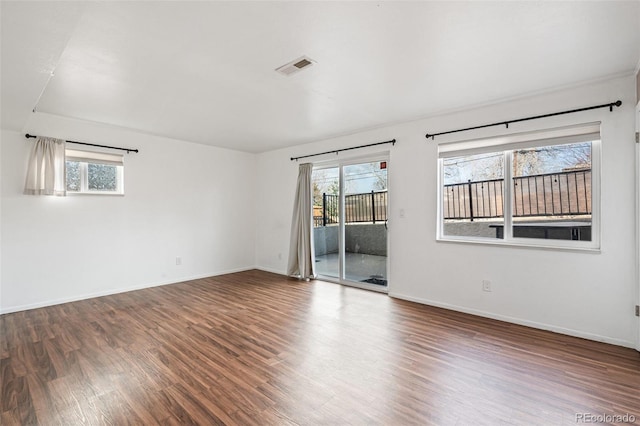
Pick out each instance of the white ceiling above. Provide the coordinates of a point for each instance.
(204, 71)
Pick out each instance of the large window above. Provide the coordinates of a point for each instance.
(536, 189)
(94, 173)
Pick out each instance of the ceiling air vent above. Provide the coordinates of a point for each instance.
(295, 66)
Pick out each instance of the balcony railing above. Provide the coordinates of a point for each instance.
(552, 194)
(368, 207)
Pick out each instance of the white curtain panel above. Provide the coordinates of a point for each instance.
(46, 168)
(301, 251)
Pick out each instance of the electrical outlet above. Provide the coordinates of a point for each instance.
(279, 256)
(637, 311)
(178, 261)
(486, 285)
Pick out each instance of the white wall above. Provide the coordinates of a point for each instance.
(637, 180)
(181, 199)
(584, 294)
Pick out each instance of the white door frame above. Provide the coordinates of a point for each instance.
(637, 257)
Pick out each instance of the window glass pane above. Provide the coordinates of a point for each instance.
(102, 177)
(72, 170)
(365, 220)
(472, 195)
(326, 220)
(552, 192)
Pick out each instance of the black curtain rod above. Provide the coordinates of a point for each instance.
(92, 144)
(392, 142)
(506, 123)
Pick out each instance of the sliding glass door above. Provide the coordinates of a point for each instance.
(365, 224)
(350, 222)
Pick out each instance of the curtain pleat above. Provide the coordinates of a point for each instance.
(301, 250)
(46, 168)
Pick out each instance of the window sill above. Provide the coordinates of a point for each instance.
(100, 194)
(518, 243)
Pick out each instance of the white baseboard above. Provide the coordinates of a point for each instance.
(273, 271)
(45, 303)
(519, 321)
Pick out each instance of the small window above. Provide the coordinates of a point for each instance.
(541, 191)
(94, 173)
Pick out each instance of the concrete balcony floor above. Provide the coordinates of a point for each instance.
(358, 266)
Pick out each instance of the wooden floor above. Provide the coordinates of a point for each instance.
(258, 348)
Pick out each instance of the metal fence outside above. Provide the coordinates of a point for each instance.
(551, 194)
(368, 207)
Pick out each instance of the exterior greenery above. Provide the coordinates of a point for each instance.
(73, 176)
(102, 177)
(99, 177)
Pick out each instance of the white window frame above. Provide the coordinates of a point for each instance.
(506, 144)
(84, 158)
